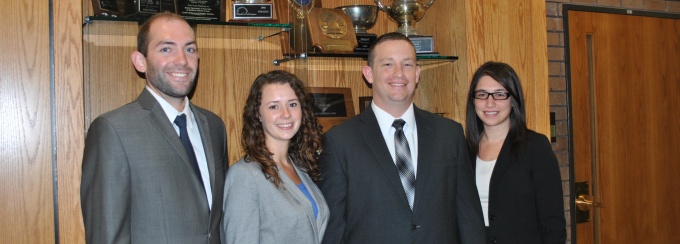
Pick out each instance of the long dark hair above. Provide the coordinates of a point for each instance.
(507, 77)
(304, 146)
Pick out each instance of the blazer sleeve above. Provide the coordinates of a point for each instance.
(549, 196)
(105, 186)
(468, 207)
(333, 185)
(241, 220)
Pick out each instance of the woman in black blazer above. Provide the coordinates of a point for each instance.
(517, 174)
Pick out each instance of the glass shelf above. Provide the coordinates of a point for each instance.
(90, 19)
(260, 31)
(423, 59)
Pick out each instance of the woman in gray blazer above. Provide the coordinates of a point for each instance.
(269, 195)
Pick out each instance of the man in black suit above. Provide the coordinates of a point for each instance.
(381, 190)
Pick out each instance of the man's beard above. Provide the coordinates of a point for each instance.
(159, 81)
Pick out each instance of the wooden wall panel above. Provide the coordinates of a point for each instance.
(26, 194)
(515, 37)
(68, 79)
(230, 60)
(111, 80)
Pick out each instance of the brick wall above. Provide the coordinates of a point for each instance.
(557, 72)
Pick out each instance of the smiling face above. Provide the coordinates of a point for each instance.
(280, 113)
(393, 75)
(172, 59)
(492, 113)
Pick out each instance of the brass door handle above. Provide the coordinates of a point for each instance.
(584, 203)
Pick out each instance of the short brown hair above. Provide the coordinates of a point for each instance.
(392, 36)
(143, 34)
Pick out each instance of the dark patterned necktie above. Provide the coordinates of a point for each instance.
(404, 163)
(181, 122)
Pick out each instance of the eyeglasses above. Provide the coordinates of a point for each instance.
(500, 95)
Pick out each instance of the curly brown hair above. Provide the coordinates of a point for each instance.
(304, 147)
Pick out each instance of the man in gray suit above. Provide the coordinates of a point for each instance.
(153, 170)
(396, 173)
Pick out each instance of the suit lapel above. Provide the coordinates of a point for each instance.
(297, 194)
(204, 130)
(158, 118)
(375, 142)
(426, 148)
(502, 163)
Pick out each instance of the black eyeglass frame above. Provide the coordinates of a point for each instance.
(492, 94)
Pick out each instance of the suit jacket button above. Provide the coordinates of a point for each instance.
(414, 227)
(492, 217)
(493, 239)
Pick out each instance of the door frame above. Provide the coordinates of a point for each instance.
(565, 14)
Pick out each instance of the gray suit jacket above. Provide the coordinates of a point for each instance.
(137, 183)
(364, 192)
(255, 211)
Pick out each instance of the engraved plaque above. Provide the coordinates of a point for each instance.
(206, 10)
(331, 31)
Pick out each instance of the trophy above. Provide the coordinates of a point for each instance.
(252, 10)
(295, 13)
(406, 13)
(363, 17)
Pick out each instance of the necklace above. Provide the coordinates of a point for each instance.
(301, 12)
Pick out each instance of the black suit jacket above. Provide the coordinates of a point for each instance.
(525, 195)
(367, 201)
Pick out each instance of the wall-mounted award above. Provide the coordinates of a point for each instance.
(145, 8)
(252, 10)
(332, 105)
(331, 31)
(207, 10)
(111, 8)
(210, 10)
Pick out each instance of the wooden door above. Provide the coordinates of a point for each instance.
(624, 73)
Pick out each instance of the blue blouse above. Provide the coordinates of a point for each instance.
(304, 190)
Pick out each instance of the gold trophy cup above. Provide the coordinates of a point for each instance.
(406, 13)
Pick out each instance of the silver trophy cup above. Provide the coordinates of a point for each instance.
(363, 16)
(406, 13)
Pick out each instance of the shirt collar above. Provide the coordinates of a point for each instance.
(385, 120)
(170, 111)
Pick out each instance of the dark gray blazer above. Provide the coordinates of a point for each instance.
(367, 201)
(255, 211)
(137, 183)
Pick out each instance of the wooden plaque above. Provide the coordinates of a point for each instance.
(332, 105)
(331, 31)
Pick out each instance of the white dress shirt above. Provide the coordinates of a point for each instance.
(385, 121)
(194, 136)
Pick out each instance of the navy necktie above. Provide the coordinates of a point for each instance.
(404, 164)
(181, 122)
